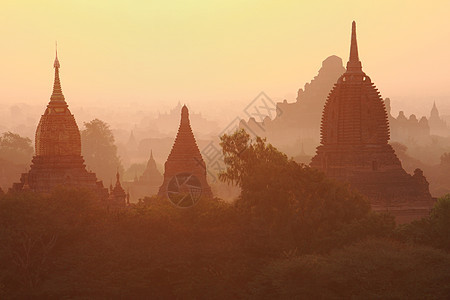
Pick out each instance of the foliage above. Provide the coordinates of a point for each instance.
(15, 148)
(287, 197)
(372, 269)
(69, 245)
(99, 150)
(433, 230)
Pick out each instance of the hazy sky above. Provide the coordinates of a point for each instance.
(214, 53)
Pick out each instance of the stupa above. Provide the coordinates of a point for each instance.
(185, 170)
(58, 159)
(117, 195)
(354, 146)
(148, 183)
(437, 125)
(151, 175)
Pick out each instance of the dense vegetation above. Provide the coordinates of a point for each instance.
(99, 150)
(15, 156)
(291, 234)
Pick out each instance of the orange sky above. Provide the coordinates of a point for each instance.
(213, 53)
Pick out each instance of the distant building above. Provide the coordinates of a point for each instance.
(437, 125)
(148, 183)
(354, 146)
(58, 160)
(407, 130)
(167, 120)
(132, 143)
(185, 171)
(299, 122)
(117, 195)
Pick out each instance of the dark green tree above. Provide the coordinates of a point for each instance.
(99, 150)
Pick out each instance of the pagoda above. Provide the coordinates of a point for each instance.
(117, 195)
(437, 124)
(58, 160)
(151, 175)
(185, 170)
(354, 146)
(148, 183)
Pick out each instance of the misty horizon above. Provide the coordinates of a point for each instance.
(212, 57)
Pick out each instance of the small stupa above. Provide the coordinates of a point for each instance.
(117, 195)
(151, 175)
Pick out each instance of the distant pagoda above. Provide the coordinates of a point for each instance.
(117, 195)
(354, 146)
(148, 183)
(58, 160)
(185, 170)
(151, 175)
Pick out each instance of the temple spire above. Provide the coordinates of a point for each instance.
(57, 95)
(434, 106)
(184, 115)
(151, 164)
(354, 64)
(434, 111)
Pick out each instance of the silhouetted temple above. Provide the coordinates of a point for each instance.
(58, 159)
(354, 146)
(151, 175)
(437, 125)
(298, 122)
(148, 183)
(117, 195)
(185, 170)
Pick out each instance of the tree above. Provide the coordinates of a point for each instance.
(99, 150)
(285, 196)
(433, 230)
(15, 149)
(372, 269)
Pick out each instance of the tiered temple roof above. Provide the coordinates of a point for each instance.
(354, 145)
(58, 159)
(185, 159)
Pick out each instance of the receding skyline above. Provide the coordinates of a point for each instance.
(213, 52)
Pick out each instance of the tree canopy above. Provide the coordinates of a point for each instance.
(99, 150)
(280, 193)
(15, 148)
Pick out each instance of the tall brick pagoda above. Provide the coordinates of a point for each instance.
(185, 170)
(354, 146)
(58, 159)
